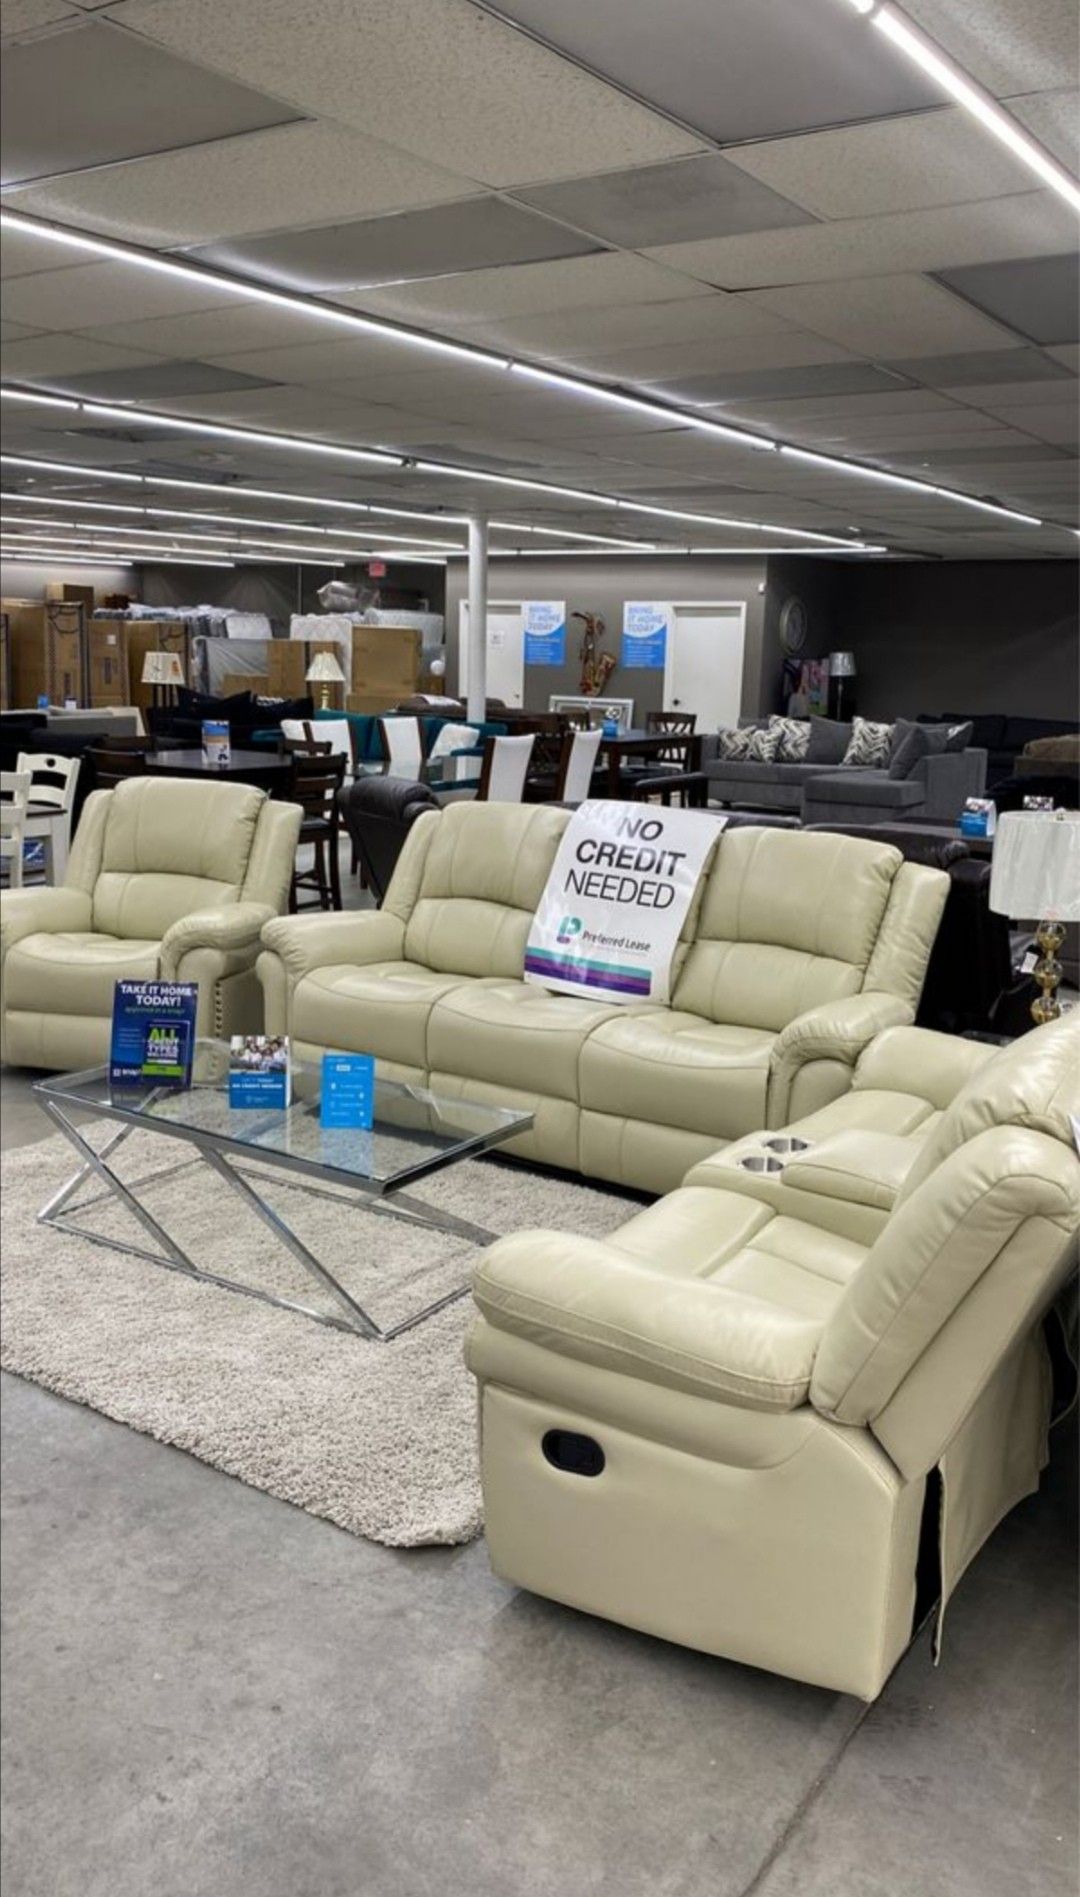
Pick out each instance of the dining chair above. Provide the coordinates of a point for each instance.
(504, 770)
(316, 776)
(403, 746)
(332, 733)
(52, 783)
(578, 762)
(682, 725)
(14, 797)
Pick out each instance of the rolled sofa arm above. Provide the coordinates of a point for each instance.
(294, 945)
(837, 1031)
(231, 931)
(42, 912)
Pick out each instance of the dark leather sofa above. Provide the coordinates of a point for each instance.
(378, 813)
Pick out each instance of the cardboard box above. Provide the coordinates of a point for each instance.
(45, 640)
(77, 595)
(106, 663)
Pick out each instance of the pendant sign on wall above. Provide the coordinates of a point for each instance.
(645, 634)
(545, 631)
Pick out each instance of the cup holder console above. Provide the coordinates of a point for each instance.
(778, 1150)
(761, 1162)
(781, 1144)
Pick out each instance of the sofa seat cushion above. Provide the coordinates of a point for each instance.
(380, 1008)
(867, 787)
(515, 1034)
(704, 1291)
(679, 1070)
(74, 973)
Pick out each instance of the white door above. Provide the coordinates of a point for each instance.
(505, 650)
(703, 670)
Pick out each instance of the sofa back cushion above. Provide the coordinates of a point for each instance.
(171, 848)
(483, 876)
(788, 920)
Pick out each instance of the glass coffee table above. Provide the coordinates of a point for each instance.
(415, 1133)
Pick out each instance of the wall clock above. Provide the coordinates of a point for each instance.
(794, 625)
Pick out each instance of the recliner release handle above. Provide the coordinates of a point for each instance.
(574, 1454)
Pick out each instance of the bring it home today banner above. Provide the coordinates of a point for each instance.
(616, 898)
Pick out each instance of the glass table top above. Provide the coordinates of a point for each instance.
(415, 1131)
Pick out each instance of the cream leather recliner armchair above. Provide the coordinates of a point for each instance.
(775, 1415)
(166, 881)
(798, 950)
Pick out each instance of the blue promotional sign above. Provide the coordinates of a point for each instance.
(153, 1033)
(348, 1090)
(644, 638)
(259, 1071)
(545, 631)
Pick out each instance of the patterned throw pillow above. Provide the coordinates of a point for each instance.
(750, 744)
(794, 739)
(870, 744)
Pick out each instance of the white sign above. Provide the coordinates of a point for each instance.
(616, 899)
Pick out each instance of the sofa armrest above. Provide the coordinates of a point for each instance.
(231, 930)
(836, 1031)
(583, 1298)
(950, 778)
(302, 943)
(922, 1062)
(42, 912)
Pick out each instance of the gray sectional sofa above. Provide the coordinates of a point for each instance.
(826, 791)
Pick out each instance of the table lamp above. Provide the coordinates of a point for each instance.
(841, 666)
(162, 669)
(1036, 873)
(324, 671)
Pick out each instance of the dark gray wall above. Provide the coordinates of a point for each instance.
(602, 585)
(963, 636)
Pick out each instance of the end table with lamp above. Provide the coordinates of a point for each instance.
(1036, 875)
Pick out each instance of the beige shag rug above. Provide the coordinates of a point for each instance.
(379, 1438)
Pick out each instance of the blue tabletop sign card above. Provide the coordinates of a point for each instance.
(259, 1071)
(153, 1033)
(348, 1090)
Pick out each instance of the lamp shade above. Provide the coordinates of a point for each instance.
(324, 670)
(841, 665)
(162, 668)
(1036, 873)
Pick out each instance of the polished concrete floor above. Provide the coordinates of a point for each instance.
(211, 1694)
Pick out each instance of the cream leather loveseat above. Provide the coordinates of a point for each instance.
(775, 1415)
(166, 881)
(799, 950)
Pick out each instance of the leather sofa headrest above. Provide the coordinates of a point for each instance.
(392, 798)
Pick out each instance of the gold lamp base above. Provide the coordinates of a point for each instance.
(1047, 972)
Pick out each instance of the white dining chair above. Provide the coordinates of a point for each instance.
(52, 783)
(403, 746)
(336, 732)
(504, 770)
(14, 797)
(577, 766)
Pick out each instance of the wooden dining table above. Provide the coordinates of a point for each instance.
(265, 770)
(634, 743)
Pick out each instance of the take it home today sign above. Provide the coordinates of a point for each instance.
(616, 899)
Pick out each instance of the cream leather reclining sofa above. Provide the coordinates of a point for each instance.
(798, 951)
(775, 1415)
(166, 881)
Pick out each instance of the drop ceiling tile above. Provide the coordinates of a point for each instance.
(227, 331)
(1030, 224)
(822, 378)
(469, 236)
(980, 366)
(1048, 422)
(1005, 47)
(898, 164)
(46, 357)
(437, 78)
(122, 96)
(294, 174)
(16, 332)
(715, 318)
(24, 256)
(1068, 354)
(768, 70)
(659, 366)
(527, 289)
(835, 410)
(161, 382)
(97, 293)
(1001, 397)
(27, 16)
(1039, 296)
(888, 316)
(666, 204)
(1054, 119)
(336, 357)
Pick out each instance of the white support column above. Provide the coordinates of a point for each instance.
(478, 565)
